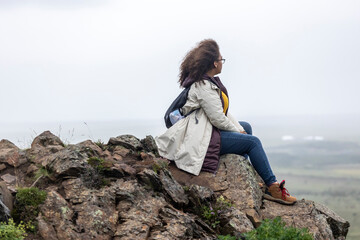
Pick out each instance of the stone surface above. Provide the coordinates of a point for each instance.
(338, 225)
(44, 146)
(6, 196)
(135, 195)
(8, 178)
(4, 212)
(149, 145)
(127, 141)
(67, 162)
(235, 222)
(2, 167)
(90, 148)
(236, 180)
(11, 154)
(173, 188)
(306, 213)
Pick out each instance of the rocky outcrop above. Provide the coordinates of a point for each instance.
(123, 190)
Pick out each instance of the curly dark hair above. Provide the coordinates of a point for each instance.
(199, 60)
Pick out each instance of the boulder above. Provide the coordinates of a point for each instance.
(321, 222)
(67, 162)
(173, 189)
(90, 148)
(149, 145)
(236, 180)
(5, 196)
(127, 141)
(44, 146)
(11, 154)
(4, 212)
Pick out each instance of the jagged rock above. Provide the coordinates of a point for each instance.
(119, 170)
(6, 202)
(46, 139)
(199, 196)
(8, 178)
(149, 145)
(236, 179)
(90, 148)
(127, 141)
(235, 222)
(338, 225)
(11, 154)
(67, 162)
(121, 151)
(150, 178)
(56, 216)
(254, 217)
(178, 226)
(5, 196)
(44, 145)
(2, 167)
(31, 169)
(306, 214)
(173, 188)
(4, 212)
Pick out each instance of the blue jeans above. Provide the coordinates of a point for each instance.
(246, 144)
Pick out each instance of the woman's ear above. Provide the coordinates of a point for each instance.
(215, 65)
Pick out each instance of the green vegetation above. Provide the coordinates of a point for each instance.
(227, 237)
(97, 163)
(275, 230)
(11, 231)
(26, 206)
(211, 214)
(101, 145)
(41, 172)
(93, 177)
(159, 165)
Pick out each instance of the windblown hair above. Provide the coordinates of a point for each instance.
(199, 60)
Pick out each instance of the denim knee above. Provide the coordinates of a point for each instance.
(247, 127)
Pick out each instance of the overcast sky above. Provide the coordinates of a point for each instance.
(110, 60)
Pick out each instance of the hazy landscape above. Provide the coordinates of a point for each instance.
(319, 157)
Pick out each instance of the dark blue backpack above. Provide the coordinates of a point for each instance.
(177, 104)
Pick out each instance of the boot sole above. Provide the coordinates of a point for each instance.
(278, 200)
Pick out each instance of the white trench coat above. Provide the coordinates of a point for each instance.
(187, 141)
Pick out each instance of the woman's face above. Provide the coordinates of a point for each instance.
(218, 64)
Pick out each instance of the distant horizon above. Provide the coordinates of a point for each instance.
(272, 130)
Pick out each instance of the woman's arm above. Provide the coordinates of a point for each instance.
(235, 122)
(210, 102)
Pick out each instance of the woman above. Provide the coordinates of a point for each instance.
(196, 142)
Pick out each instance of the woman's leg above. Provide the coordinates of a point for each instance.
(248, 129)
(238, 143)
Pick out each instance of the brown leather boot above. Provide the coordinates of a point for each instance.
(278, 193)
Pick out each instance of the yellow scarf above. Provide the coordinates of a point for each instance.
(226, 101)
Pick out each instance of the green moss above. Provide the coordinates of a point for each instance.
(26, 207)
(159, 165)
(96, 163)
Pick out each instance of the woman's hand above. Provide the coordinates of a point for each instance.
(243, 132)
